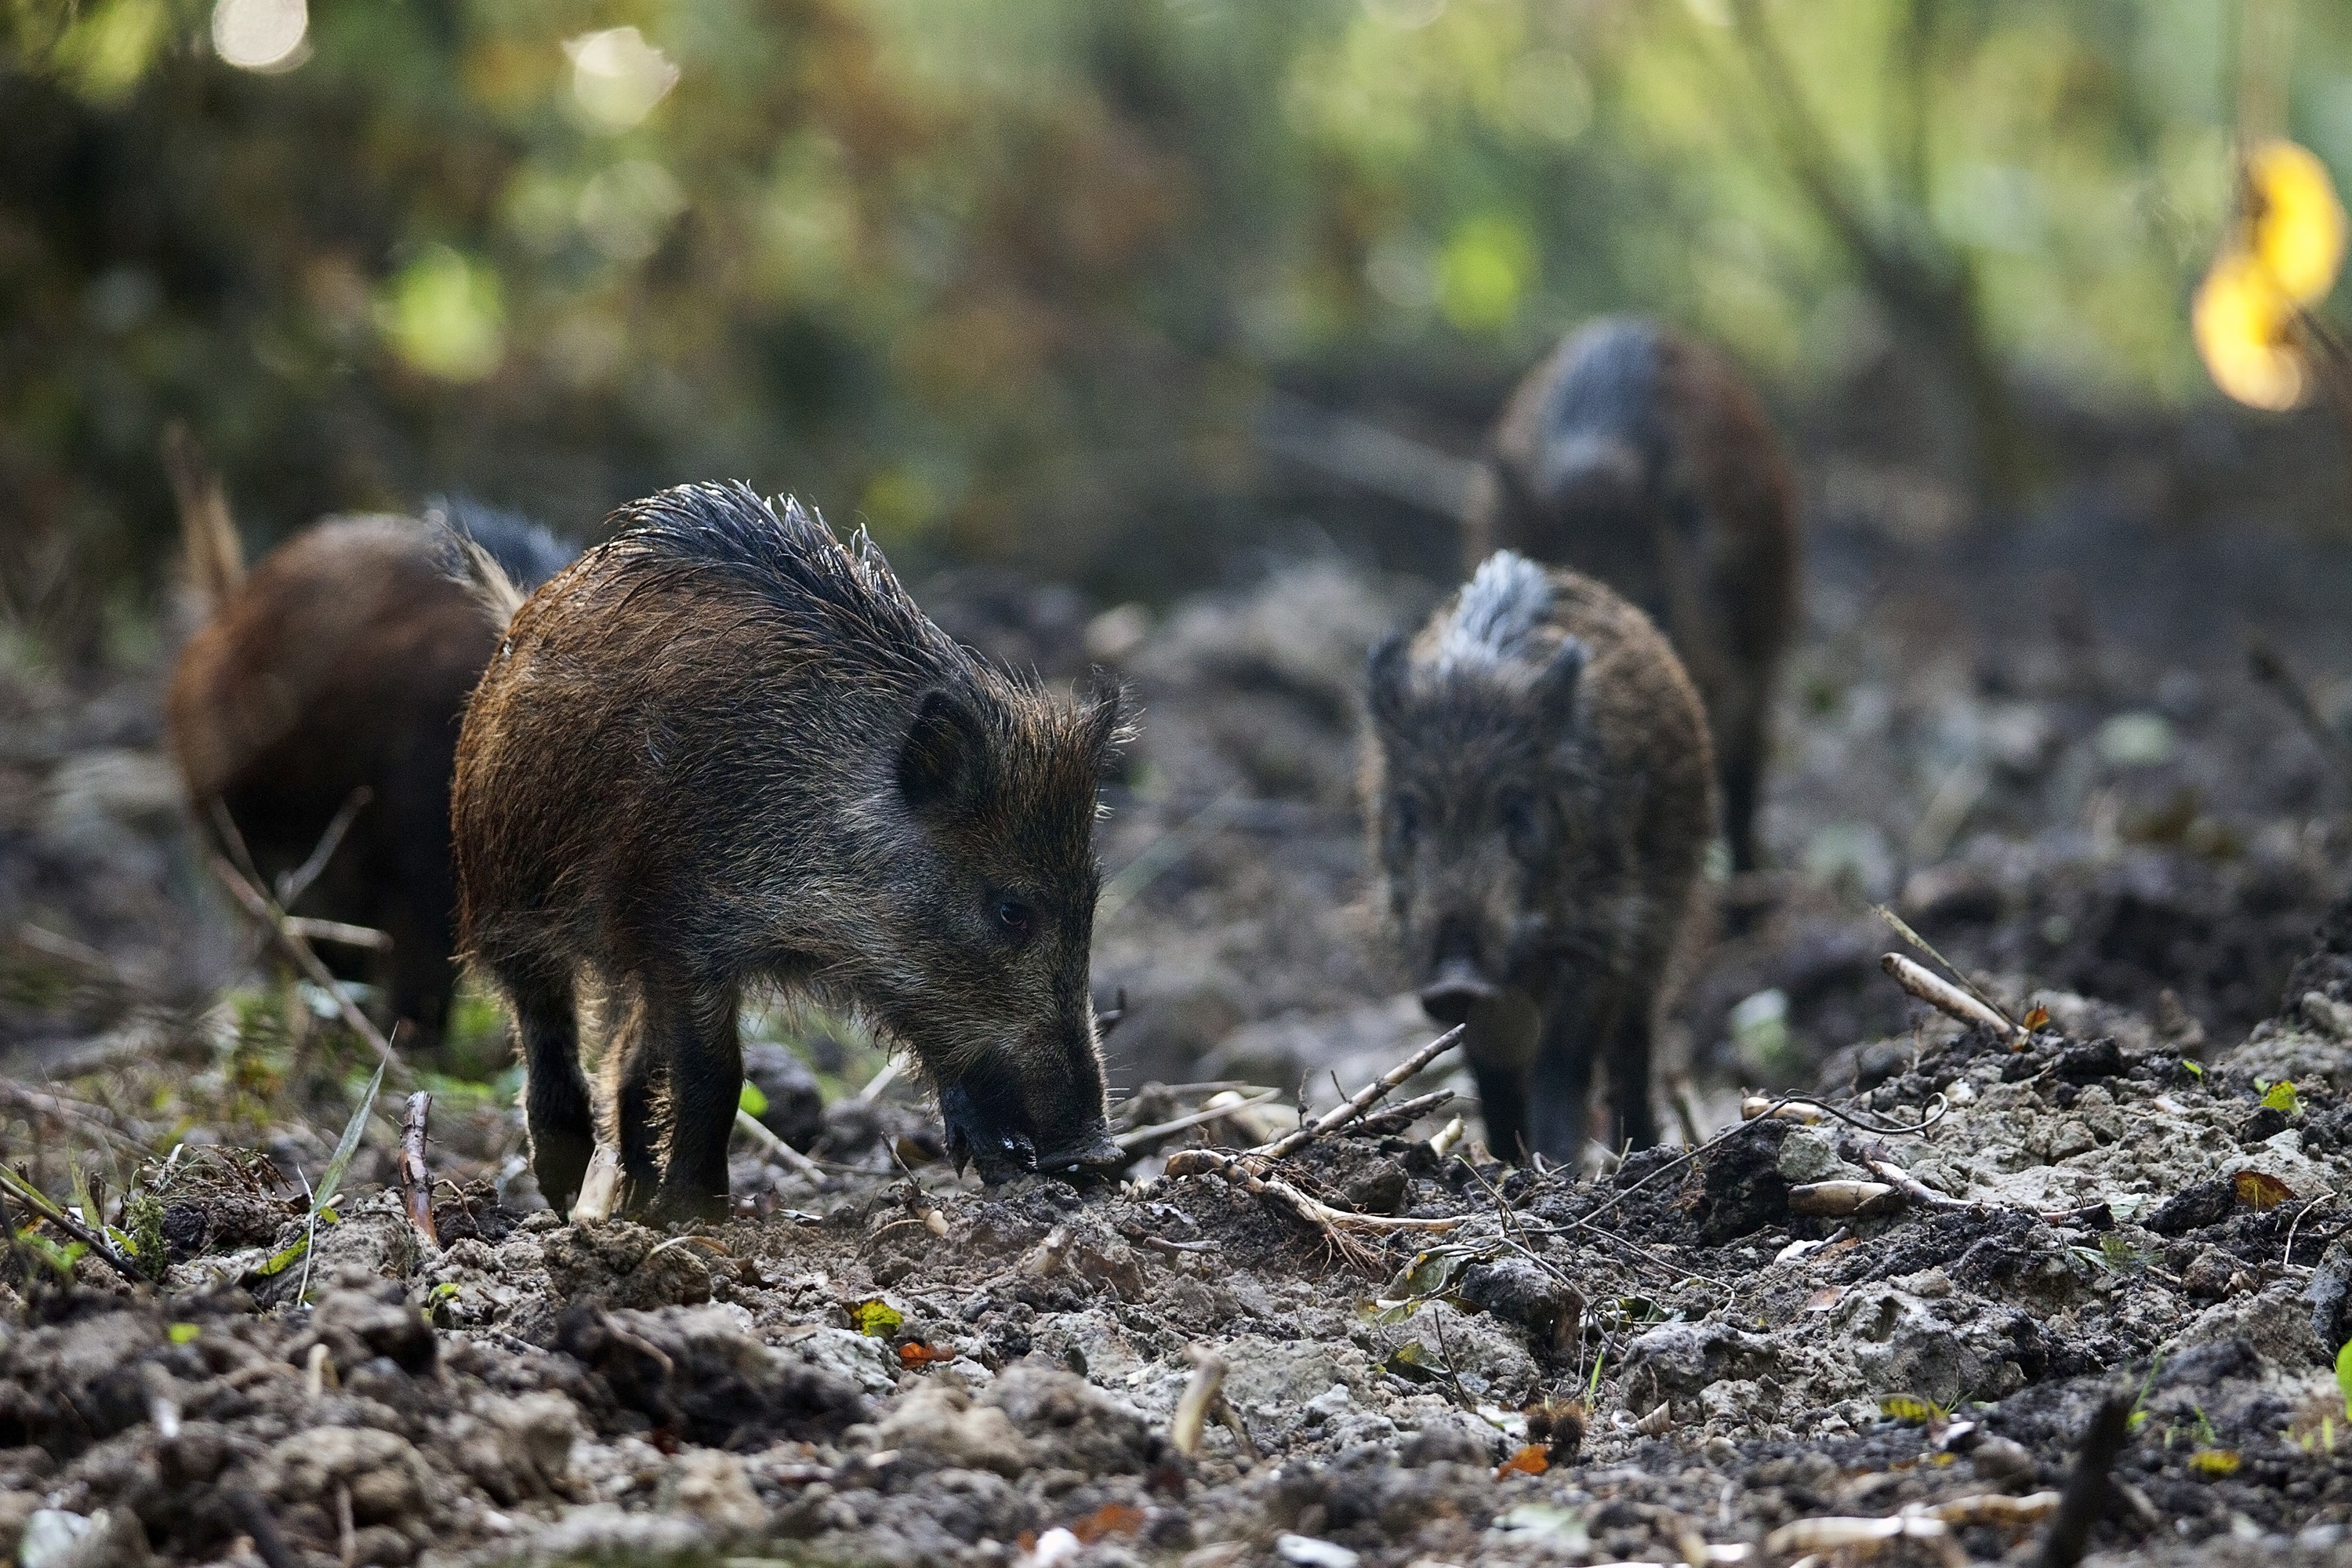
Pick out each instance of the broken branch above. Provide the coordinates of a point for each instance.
(1364, 1098)
(1137, 1142)
(1946, 997)
(415, 1185)
(775, 1148)
(273, 919)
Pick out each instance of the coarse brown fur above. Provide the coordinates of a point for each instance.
(342, 662)
(1539, 791)
(725, 749)
(1641, 458)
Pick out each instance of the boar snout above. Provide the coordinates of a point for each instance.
(992, 1123)
(1454, 990)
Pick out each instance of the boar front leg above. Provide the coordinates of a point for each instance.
(1633, 1122)
(1500, 1046)
(634, 1082)
(1578, 1020)
(690, 1024)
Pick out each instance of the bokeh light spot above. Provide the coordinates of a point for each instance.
(2243, 325)
(1486, 267)
(260, 34)
(2297, 222)
(617, 76)
(446, 316)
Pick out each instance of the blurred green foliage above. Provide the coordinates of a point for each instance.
(1007, 278)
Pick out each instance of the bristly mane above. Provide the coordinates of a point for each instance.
(525, 551)
(793, 569)
(1496, 616)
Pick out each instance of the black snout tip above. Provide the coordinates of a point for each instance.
(1096, 1150)
(1456, 989)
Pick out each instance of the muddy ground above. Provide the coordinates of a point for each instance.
(2043, 748)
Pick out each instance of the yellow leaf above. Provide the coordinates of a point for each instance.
(2281, 1097)
(876, 1319)
(1910, 1407)
(2214, 1463)
(2259, 1190)
(2296, 221)
(2242, 322)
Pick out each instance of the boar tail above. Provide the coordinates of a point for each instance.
(472, 567)
(215, 557)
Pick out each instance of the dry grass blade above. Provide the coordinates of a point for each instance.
(40, 1203)
(1363, 1100)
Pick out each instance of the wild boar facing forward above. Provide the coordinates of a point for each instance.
(725, 749)
(1538, 789)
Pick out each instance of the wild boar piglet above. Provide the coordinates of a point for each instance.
(1538, 790)
(725, 749)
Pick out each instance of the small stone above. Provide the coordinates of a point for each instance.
(1307, 1552)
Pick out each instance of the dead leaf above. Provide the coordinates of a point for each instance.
(915, 1355)
(1822, 1300)
(1111, 1519)
(2039, 1019)
(1530, 1460)
(2260, 1191)
(2214, 1463)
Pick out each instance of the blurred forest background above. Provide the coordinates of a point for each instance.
(1017, 280)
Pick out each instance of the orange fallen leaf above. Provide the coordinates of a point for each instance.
(915, 1355)
(1111, 1519)
(1531, 1460)
(1822, 1300)
(2259, 1190)
(2039, 1019)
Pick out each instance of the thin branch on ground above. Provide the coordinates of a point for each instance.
(295, 883)
(415, 1184)
(273, 919)
(1364, 1098)
(775, 1148)
(1139, 1142)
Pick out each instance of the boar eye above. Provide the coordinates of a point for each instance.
(1014, 918)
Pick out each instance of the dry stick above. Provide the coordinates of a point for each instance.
(1405, 1112)
(1903, 929)
(91, 1120)
(414, 1183)
(1202, 1392)
(1131, 1142)
(1364, 1100)
(295, 883)
(54, 1213)
(313, 929)
(2084, 1498)
(1948, 998)
(273, 919)
(775, 1148)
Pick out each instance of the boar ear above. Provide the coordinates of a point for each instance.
(1385, 674)
(1555, 689)
(939, 762)
(1105, 726)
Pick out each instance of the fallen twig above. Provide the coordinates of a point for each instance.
(1837, 1534)
(94, 1121)
(775, 1148)
(1843, 1199)
(1136, 1142)
(1201, 1393)
(274, 920)
(1363, 1100)
(339, 932)
(1948, 998)
(1902, 928)
(415, 1184)
(2086, 1496)
(42, 1205)
(1405, 1112)
(292, 884)
(599, 1189)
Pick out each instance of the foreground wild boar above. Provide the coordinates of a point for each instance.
(1538, 790)
(1641, 457)
(724, 749)
(342, 662)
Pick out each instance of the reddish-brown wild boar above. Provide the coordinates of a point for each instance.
(342, 663)
(1538, 789)
(724, 749)
(1641, 457)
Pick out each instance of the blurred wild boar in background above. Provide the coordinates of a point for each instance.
(342, 663)
(1641, 458)
(1538, 790)
(723, 749)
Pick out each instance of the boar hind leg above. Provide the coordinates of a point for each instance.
(1742, 782)
(634, 1081)
(692, 1025)
(555, 1097)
